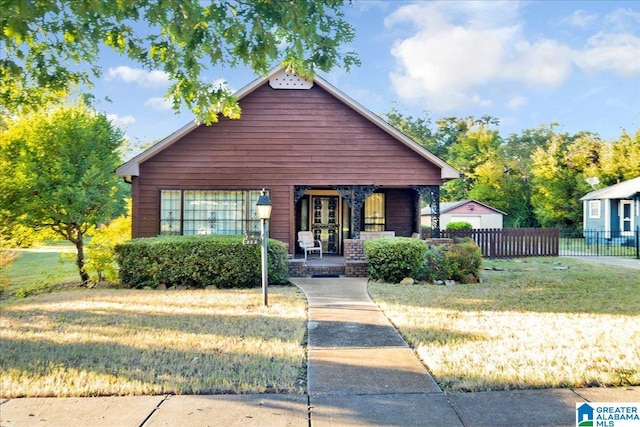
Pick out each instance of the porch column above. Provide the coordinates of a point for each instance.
(431, 193)
(298, 192)
(355, 195)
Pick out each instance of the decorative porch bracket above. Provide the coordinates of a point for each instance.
(355, 195)
(431, 193)
(298, 192)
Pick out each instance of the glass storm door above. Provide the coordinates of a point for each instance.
(325, 222)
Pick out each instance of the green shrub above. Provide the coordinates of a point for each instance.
(392, 260)
(460, 262)
(459, 225)
(198, 261)
(101, 256)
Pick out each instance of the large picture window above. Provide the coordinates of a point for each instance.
(189, 212)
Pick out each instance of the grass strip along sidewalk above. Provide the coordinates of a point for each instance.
(535, 324)
(134, 342)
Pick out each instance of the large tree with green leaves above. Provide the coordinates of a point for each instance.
(560, 169)
(56, 171)
(51, 46)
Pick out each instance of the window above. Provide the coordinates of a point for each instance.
(594, 208)
(374, 213)
(170, 212)
(188, 212)
(626, 217)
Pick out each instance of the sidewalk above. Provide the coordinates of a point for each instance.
(612, 260)
(360, 373)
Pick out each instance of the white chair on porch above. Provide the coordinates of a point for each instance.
(308, 244)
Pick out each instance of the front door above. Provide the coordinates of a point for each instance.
(325, 222)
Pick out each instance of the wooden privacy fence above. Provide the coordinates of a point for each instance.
(512, 242)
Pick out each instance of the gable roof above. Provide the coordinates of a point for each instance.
(623, 190)
(447, 172)
(448, 206)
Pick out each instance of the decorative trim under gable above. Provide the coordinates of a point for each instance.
(285, 80)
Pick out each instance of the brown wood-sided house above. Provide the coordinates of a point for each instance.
(329, 164)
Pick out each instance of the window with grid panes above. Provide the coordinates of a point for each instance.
(374, 213)
(223, 212)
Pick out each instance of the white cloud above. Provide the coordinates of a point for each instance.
(444, 62)
(619, 53)
(121, 122)
(517, 102)
(546, 63)
(580, 19)
(455, 50)
(139, 76)
(460, 47)
(159, 103)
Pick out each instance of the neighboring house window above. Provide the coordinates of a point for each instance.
(626, 219)
(374, 213)
(594, 209)
(189, 212)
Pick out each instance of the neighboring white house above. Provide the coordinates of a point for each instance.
(472, 211)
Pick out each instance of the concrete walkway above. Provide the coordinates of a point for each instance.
(360, 373)
(610, 260)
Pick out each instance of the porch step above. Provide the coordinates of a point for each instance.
(325, 269)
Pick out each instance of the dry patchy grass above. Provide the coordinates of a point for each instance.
(130, 342)
(526, 327)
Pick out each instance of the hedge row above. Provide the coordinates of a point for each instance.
(392, 260)
(198, 261)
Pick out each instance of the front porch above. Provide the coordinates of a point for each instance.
(352, 264)
(335, 214)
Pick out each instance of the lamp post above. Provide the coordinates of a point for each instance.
(263, 207)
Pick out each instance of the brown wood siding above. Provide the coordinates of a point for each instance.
(401, 217)
(284, 138)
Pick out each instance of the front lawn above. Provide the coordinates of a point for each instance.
(528, 326)
(39, 271)
(132, 342)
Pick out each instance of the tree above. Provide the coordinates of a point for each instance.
(418, 129)
(559, 171)
(101, 248)
(620, 160)
(43, 40)
(56, 171)
(473, 144)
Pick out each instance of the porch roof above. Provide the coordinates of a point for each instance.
(447, 172)
(624, 190)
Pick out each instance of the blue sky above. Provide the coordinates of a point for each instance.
(528, 63)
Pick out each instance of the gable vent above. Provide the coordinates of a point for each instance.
(289, 81)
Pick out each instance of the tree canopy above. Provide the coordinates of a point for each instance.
(50, 47)
(537, 177)
(56, 171)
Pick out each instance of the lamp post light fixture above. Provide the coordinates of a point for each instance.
(263, 206)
